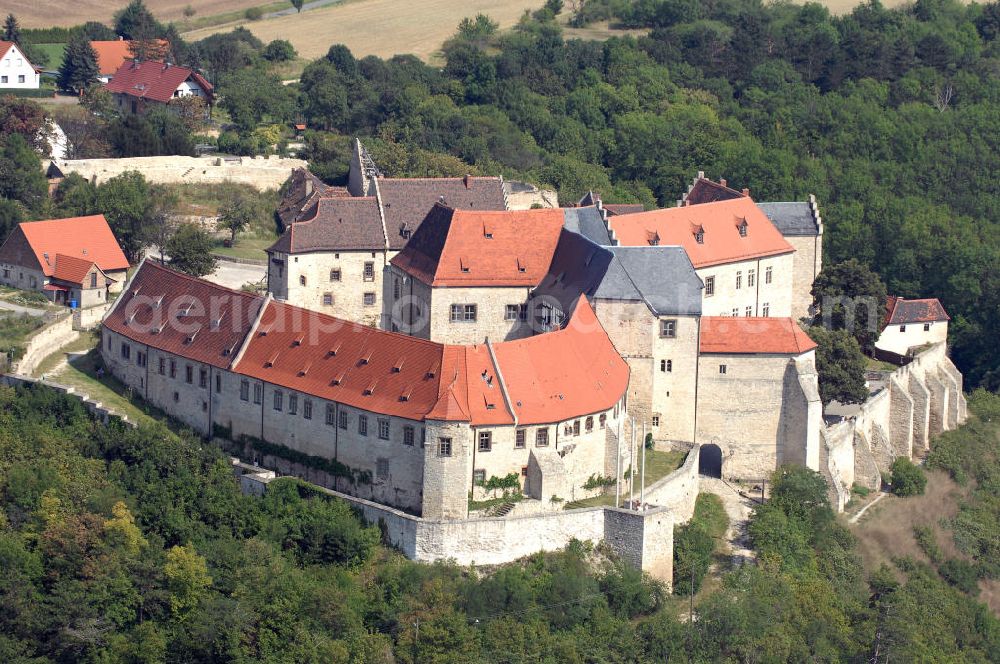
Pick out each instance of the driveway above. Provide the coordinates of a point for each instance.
(234, 275)
(18, 309)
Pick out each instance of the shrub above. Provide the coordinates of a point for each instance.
(253, 13)
(907, 479)
(860, 490)
(927, 542)
(279, 50)
(960, 574)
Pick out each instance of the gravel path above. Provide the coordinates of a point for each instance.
(738, 510)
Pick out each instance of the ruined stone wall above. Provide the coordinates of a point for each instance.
(258, 172)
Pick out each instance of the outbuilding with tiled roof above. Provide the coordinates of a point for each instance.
(912, 324)
(75, 261)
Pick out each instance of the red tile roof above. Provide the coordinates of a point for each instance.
(704, 190)
(552, 377)
(482, 248)
(111, 55)
(719, 223)
(189, 317)
(738, 336)
(71, 269)
(88, 238)
(6, 45)
(352, 364)
(154, 80)
(564, 374)
(900, 311)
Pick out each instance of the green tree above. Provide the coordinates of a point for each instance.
(237, 214)
(131, 20)
(126, 201)
(79, 70)
(907, 479)
(849, 296)
(250, 96)
(187, 579)
(841, 366)
(11, 29)
(279, 50)
(298, 5)
(21, 176)
(27, 118)
(11, 214)
(190, 250)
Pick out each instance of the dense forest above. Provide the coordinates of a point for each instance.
(135, 545)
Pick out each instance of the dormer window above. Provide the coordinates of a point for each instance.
(742, 226)
(699, 237)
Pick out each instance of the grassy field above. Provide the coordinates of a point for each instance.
(54, 52)
(378, 27)
(246, 247)
(54, 13)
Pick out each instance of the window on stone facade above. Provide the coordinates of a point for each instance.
(765, 309)
(109, 343)
(541, 438)
(162, 366)
(751, 278)
(516, 312)
(927, 327)
(668, 329)
(335, 274)
(603, 419)
(383, 428)
(369, 271)
(739, 279)
(177, 397)
(722, 368)
(902, 328)
(485, 441)
(331, 417)
(656, 420)
(519, 438)
(342, 420)
(126, 351)
(363, 425)
(397, 289)
(666, 366)
(444, 447)
(244, 390)
(188, 374)
(749, 311)
(589, 423)
(423, 437)
(369, 299)
(327, 299)
(218, 384)
(709, 286)
(293, 404)
(307, 409)
(203, 378)
(576, 427)
(463, 313)
(258, 393)
(479, 477)
(140, 358)
(408, 435)
(173, 369)
(302, 280)
(382, 469)
(93, 280)
(767, 276)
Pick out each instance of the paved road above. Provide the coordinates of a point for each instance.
(234, 275)
(18, 309)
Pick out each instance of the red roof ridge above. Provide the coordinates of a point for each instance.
(753, 335)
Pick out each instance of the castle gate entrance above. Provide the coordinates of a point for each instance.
(710, 461)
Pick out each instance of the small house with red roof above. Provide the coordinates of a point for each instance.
(758, 400)
(112, 54)
(16, 71)
(75, 260)
(138, 86)
(911, 324)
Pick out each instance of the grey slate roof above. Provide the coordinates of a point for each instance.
(661, 277)
(588, 222)
(791, 218)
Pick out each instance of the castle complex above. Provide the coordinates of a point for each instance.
(424, 339)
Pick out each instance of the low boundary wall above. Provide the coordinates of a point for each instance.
(678, 491)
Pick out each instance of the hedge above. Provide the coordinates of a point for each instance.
(28, 92)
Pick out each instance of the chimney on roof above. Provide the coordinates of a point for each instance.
(746, 192)
(309, 187)
(465, 180)
(722, 181)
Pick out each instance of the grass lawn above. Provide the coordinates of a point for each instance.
(659, 464)
(55, 53)
(81, 374)
(246, 247)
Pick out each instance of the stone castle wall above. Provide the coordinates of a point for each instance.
(258, 172)
(920, 400)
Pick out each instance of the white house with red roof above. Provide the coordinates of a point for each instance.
(75, 260)
(138, 86)
(910, 324)
(16, 71)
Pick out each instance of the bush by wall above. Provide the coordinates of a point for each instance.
(907, 479)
